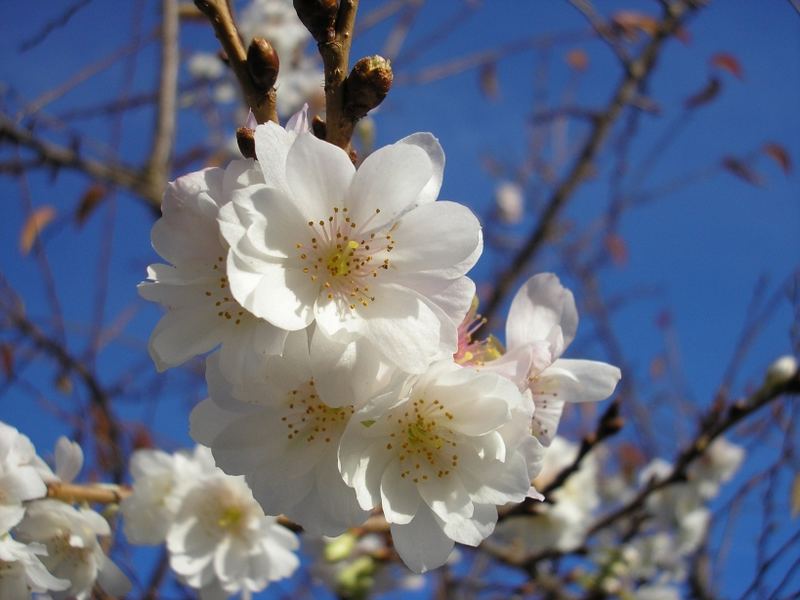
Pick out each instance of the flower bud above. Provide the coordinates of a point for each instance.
(262, 63)
(319, 17)
(367, 85)
(245, 138)
(782, 370)
(510, 202)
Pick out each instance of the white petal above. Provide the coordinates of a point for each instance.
(399, 496)
(421, 543)
(407, 329)
(541, 310)
(112, 580)
(433, 149)
(446, 497)
(69, 459)
(422, 243)
(182, 334)
(272, 147)
(319, 175)
(583, 380)
(473, 530)
(389, 179)
(283, 296)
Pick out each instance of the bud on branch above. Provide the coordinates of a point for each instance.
(262, 64)
(367, 86)
(319, 17)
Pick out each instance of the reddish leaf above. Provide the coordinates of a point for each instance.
(707, 94)
(741, 170)
(38, 220)
(617, 249)
(7, 359)
(795, 499)
(664, 319)
(89, 202)
(487, 79)
(578, 59)
(780, 155)
(629, 22)
(729, 63)
(658, 367)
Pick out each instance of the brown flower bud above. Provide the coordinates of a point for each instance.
(319, 17)
(262, 63)
(319, 127)
(367, 86)
(245, 138)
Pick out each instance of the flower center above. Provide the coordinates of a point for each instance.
(343, 258)
(230, 518)
(309, 419)
(428, 447)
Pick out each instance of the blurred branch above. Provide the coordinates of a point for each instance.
(54, 155)
(99, 398)
(157, 169)
(637, 72)
(51, 25)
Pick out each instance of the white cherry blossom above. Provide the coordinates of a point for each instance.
(541, 324)
(439, 456)
(160, 481)
(201, 311)
(221, 543)
(22, 571)
(363, 254)
(283, 431)
(19, 476)
(73, 551)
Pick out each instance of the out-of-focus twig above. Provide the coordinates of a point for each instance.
(637, 72)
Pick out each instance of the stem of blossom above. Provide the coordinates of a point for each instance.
(261, 102)
(94, 494)
(335, 52)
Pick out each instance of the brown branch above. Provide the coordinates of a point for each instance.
(261, 102)
(100, 400)
(719, 420)
(94, 494)
(335, 52)
(157, 169)
(57, 156)
(636, 74)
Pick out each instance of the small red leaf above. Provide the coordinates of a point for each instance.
(7, 359)
(728, 62)
(780, 155)
(89, 202)
(629, 22)
(742, 170)
(704, 96)
(578, 59)
(617, 249)
(487, 79)
(38, 220)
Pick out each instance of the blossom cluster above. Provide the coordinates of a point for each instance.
(46, 545)
(650, 565)
(218, 538)
(344, 374)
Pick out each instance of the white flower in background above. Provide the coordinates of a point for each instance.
(715, 466)
(205, 65)
(562, 524)
(297, 83)
(222, 543)
(510, 202)
(363, 254)
(19, 477)
(677, 508)
(541, 324)
(277, 21)
(73, 551)
(283, 432)
(201, 311)
(657, 592)
(22, 572)
(439, 456)
(160, 481)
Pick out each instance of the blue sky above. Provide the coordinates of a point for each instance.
(704, 247)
